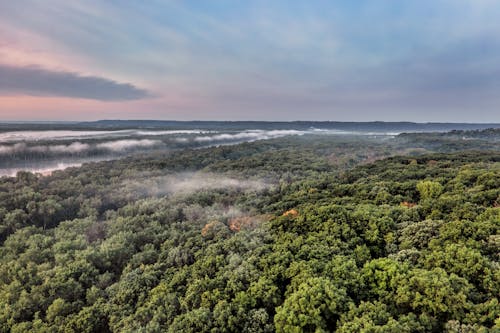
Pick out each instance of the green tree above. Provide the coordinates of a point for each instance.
(429, 189)
(314, 307)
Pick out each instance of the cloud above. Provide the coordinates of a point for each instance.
(36, 81)
(270, 61)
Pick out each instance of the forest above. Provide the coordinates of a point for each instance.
(290, 234)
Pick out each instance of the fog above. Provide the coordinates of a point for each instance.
(43, 169)
(122, 145)
(191, 182)
(30, 150)
(18, 136)
(255, 135)
(78, 147)
(172, 132)
(251, 135)
(56, 135)
(195, 134)
(73, 148)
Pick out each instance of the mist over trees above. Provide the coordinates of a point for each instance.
(296, 234)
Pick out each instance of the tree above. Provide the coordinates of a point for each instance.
(429, 189)
(314, 307)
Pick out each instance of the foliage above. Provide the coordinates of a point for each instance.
(403, 244)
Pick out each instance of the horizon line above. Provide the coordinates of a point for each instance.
(238, 121)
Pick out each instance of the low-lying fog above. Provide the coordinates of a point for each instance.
(190, 182)
(43, 151)
(17, 136)
(43, 168)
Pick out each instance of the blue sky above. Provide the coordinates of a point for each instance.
(242, 60)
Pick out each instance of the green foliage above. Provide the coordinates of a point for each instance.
(429, 189)
(404, 244)
(314, 307)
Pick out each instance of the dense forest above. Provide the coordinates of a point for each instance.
(295, 234)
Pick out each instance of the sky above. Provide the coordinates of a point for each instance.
(344, 60)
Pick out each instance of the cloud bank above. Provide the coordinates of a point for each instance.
(38, 81)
